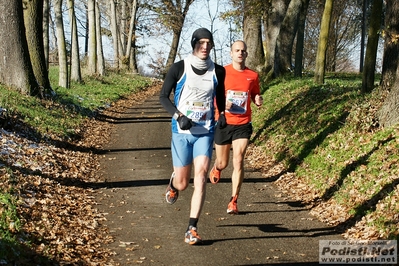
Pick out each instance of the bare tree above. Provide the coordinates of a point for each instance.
(171, 14)
(76, 74)
(372, 46)
(61, 45)
(116, 42)
(92, 57)
(212, 19)
(363, 34)
(132, 34)
(343, 36)
(46, 30)
(33, 20)
(323, 39)
(130, 46)
(99, 43)
(300, 38)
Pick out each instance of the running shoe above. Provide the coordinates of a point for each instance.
(232, 207)
(191, 237)
(214, 175)
(171, 194)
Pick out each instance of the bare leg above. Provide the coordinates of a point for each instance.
(201, 165)
(222, 156)
(239, 148)
(182, 177)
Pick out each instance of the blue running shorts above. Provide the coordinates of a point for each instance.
(186, 147)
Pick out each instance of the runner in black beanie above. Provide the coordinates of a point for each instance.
(196, 83)
(201, 33)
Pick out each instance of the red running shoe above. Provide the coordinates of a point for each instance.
(214, 175)
(232, 207)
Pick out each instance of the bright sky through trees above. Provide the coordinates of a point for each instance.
(198, 16)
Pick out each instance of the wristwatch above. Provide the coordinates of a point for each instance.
(176, 115)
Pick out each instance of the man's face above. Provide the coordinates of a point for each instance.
(202, 48)
(238, 52)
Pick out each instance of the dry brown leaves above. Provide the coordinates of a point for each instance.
(59, 214)
(332, 212)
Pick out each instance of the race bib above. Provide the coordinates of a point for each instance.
(199, 112)
(239, 100)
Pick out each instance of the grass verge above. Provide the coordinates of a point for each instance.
(333, 152)
(60, 120)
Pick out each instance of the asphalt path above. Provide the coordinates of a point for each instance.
(136, 167)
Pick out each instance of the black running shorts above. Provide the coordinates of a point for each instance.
(232, 132)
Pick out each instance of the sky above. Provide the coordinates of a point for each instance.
(197, 17)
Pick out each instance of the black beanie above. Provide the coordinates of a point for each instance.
(199, 34)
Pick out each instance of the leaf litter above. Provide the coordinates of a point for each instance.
(59, 214)
(49, 177)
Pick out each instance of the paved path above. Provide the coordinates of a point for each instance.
(137, 165)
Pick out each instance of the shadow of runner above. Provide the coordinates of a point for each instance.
(133, 198)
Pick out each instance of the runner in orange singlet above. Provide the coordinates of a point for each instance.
(241, 87)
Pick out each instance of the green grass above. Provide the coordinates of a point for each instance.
(57, 118)
(325, 134)
(328, 136)
(62, 115)
(9, 223)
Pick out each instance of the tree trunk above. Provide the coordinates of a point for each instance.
(133, 61)
(363, 35)
(252, 29)
(114, 32)
(76, 74)
(133, 53)
(33, 15)
(300, 38)
(372, 46)
(388, 115)
(15, 67)
(131, 38)
(323, 39)
(52, 32)
(122, 27)
(285, 39)
(99, 46)
(62, 55)
(273, 17)
(46, 30)
(174, 20)
(173, 49)
(86, 49)
(391, 48)
(92, 60)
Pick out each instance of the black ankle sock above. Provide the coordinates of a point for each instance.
(193, 222)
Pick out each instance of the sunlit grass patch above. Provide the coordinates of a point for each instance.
(65, 112)
(329, 137)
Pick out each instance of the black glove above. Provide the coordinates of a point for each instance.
(185, 123)
(222, 121)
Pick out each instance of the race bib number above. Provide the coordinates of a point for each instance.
(198, 111)
(239, 100)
